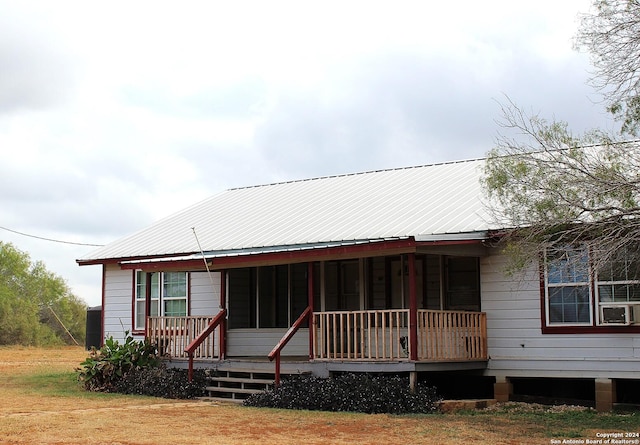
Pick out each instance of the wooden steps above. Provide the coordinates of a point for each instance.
(236, 384)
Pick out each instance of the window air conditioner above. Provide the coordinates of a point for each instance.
(617, 315)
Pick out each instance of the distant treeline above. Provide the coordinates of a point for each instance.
(36, 306)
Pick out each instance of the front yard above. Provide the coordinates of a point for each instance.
(42, 403)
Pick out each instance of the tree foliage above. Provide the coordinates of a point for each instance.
(612, 36)
(36, 306)
(557, 188)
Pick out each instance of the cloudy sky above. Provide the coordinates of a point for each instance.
(113, 115)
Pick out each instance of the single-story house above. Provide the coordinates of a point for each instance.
(385, 271)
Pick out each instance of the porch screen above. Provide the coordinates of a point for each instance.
(268, 296)
(463, 283)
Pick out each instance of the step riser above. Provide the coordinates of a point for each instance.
(235, 385)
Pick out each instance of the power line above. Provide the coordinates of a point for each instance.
(50, 239)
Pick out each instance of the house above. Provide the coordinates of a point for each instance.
(384, 271)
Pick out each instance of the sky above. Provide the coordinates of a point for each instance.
(114, 115)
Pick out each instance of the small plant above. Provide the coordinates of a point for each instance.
(365, 393)
(107, 365)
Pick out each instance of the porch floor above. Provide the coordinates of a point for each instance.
(322, 368)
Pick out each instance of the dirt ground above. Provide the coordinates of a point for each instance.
(33, 410)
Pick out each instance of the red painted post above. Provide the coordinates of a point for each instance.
(311, 318)
(223, 306)
(147, 301)
(413, 309)
(277, 379)
(190, 366)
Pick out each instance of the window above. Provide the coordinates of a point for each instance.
(568, 291)
(174, 294)
(168, 296)
(579, 292)
(618, 289)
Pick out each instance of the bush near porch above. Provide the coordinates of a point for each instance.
(133, 367)
(365, 393)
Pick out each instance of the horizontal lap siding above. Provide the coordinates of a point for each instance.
(205, 293)
(259, 342)
(205, 299)
(118, 285)
(517, 346)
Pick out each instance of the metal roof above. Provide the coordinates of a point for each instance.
(425, 202)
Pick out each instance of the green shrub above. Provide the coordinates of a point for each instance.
(160, 381)
(106, 366)
(364, 393)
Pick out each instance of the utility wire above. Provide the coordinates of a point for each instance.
(51, 239)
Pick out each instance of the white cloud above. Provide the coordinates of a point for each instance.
(114, 115)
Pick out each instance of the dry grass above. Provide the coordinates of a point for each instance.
(42, 404)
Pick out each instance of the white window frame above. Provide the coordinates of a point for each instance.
(574, 282)
(159, 296)
(613, 302)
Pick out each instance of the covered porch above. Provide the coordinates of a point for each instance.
(343, 336)
(408, 305)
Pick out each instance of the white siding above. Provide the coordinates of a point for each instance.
(205, 299)
(118, 288)
(517, 347)
(205, 296)
(260, 342)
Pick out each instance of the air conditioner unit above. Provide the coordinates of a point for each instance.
(622, 315)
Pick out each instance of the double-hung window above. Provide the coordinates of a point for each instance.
(583, 292)
(568, 290)
(168, 296)
(618, 289)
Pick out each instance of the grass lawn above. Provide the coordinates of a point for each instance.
(42, 403)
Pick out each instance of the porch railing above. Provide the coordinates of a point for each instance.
(277, 349)
(362, 335)
(452, 336)
(217, 321)
(172, 335)
(383, 335)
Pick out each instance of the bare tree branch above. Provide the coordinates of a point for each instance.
(556, 189)
(612, 37)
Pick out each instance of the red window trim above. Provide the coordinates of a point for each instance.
(135, 331)
(591, 329)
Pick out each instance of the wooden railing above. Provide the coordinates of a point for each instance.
(362, 335)
(383, 335)
(452, 336)
(204, 336)
(172, 335)
(275, 352)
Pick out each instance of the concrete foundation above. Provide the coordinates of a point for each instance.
(605, 394)
(502, 389)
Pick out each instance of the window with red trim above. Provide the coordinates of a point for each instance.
(580, 292)
(168, 296)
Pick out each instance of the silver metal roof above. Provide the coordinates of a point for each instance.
(427, 202)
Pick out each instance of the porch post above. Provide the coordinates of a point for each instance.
(413, 309)
(147, 302)
(310, 298)
(223, 306)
